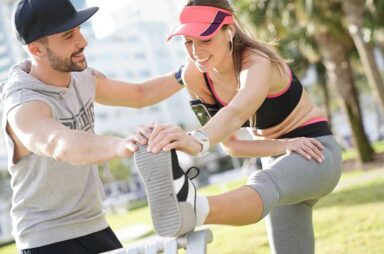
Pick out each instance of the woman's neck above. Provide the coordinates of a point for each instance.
(225, 72)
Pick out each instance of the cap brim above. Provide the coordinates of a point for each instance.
(197, 30)
(80, 17)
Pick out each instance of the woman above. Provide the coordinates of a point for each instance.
(248, 85)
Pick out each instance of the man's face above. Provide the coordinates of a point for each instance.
(64, 51)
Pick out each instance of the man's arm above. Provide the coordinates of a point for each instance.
(35, 130)
(120, 93)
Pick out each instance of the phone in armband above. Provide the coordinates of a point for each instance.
(203, 111)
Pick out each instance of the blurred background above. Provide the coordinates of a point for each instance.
(336, 48)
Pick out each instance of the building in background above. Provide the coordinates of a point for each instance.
(79, 4)
(10, 51)
(135, 54)
(9, 54)
(86, 27)
(133, 47)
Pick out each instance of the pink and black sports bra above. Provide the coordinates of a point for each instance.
(276, 108)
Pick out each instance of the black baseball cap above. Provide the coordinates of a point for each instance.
(34, 19)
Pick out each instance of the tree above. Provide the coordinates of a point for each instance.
(354, 10)
(334, 43)
(318, 21)
(340, 74)
(376, 9)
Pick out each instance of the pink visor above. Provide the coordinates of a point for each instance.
(202, 22)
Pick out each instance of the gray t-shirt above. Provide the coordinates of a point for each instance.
(52, 200)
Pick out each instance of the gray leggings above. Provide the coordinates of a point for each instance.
(289, 186)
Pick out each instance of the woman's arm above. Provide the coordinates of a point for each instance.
(173, 137)
(309, 148)
(255, 83)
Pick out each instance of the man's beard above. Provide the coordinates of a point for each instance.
(65, 64)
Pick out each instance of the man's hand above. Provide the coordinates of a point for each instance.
(127, 147)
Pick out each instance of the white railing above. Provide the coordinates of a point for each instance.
(193, 243)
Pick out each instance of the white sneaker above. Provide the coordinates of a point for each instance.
(171, 194)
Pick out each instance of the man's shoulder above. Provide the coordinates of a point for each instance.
(85, 73)
(85, 76)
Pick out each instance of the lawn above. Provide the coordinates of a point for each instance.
(347, 221)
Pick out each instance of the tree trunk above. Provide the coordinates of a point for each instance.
(379, 39)
(339, 71)
(353, 10)
(324, 88)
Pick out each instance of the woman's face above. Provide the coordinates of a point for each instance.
(208, 54)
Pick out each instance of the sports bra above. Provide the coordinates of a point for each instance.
(275, 109)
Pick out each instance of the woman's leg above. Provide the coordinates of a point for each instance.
(285, 190)
(245, 206)
(290, 229)
(287, 180)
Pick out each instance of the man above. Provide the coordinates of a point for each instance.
(48, 124)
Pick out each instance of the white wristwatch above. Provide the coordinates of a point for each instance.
(201, 138)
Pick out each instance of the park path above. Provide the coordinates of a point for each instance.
(365, 176)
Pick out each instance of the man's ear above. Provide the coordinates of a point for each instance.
(35, 49)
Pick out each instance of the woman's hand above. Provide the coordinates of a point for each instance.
(166, 137)
(309, 148)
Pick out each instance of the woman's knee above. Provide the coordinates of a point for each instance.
(267, 188)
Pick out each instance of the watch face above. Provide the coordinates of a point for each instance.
(200, 135)
(201, 138)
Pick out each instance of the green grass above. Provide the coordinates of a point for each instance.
(347, 221)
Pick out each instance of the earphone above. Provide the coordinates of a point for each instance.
(230, 41)
(230, 34)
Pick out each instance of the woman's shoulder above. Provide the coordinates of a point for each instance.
(259, 66)
(252, 57)
(258, 60)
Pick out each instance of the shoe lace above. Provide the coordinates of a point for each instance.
(192, 172)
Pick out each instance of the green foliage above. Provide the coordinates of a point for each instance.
(119, 168)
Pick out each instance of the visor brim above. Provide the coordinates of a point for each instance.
(197, 30)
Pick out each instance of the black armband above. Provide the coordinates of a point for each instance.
(178, 75)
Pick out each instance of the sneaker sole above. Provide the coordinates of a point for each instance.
(156, 172)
